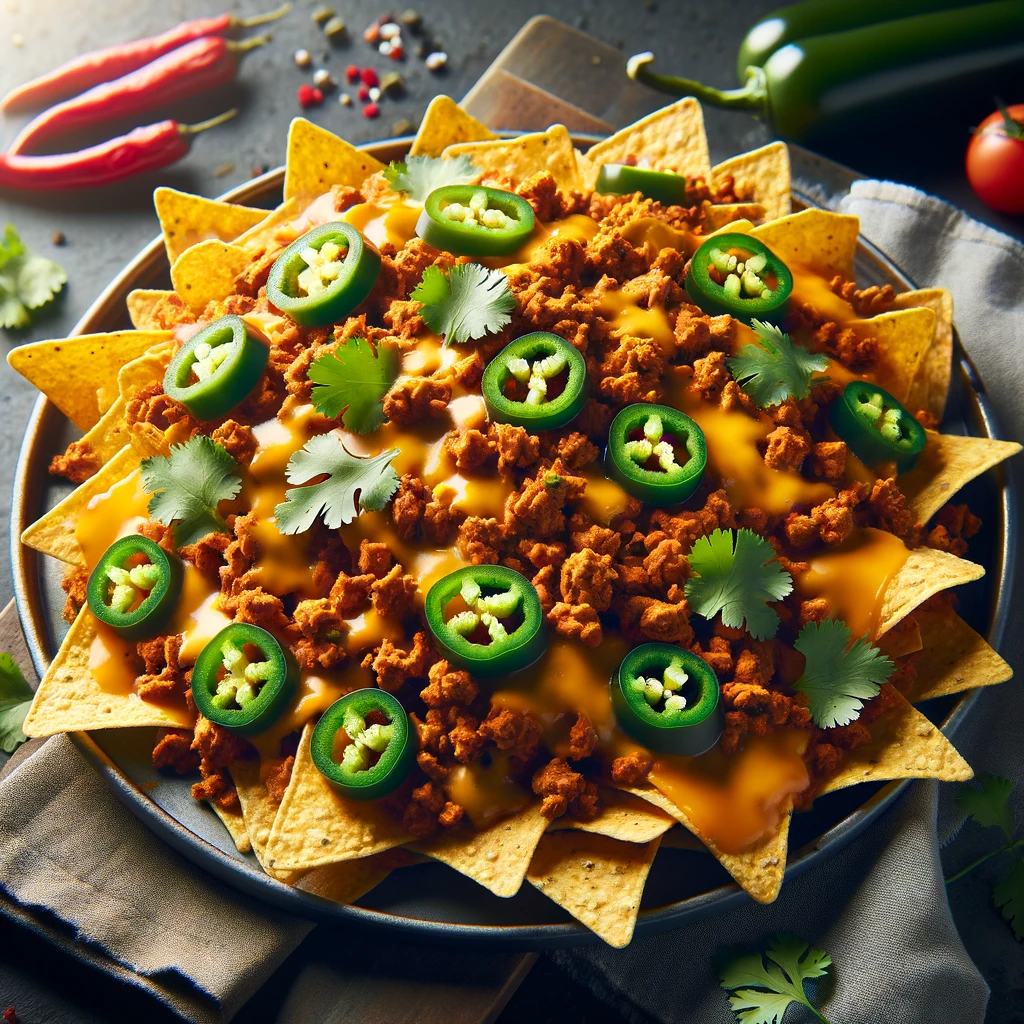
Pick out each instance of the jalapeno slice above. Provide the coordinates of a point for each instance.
(498, 626)
(322, 276)
(622, 179)
(243, 679)
(667, 699)
(216, 369)
(876, 427)
(539, 381)
(363, 744)
(134, 587)
(471, 220)
(644, 445)
(741, 276)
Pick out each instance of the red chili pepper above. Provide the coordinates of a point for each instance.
(369, 77)
(309, 96)
(194, 68)
(371, 110)
(102, 65)
(144, 149)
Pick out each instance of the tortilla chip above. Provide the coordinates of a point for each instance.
(109, 435)
(316, 826)
(70, 371)
(496, 856)
(258, 812)
(904, 638)
(318, 159)
(761, 176)
(597, 879)
(187, 220)
(145, 305)
(680, 838)
(926, 572)
(142, 372)
(207, 273)
(741, 226)
(818, 239)
(948, 463)
(446, 124)
(54, 533)
(931, 384)
(904, 744)
(904, 337)
(954, 658)
(721, 215)
(69, 697)
(348, 881)
(521, 157)
(235, 824)
(623, 817)
(670, 139)
(266, 233)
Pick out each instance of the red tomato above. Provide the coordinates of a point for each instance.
(995, 162)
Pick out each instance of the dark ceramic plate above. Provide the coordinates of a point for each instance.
(431, 900)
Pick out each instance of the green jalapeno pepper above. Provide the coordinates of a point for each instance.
(667, 699)
(642, 444)
(243, 679)
(322, 276)
(621, 179)
(134, 587)
(216, 369)
(471, 220)
(876, 427)
(483, 637)
(366, 761)
(741, 276)
(539, 381)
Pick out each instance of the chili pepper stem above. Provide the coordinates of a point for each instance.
(194, 129)
(261, 19)
(753, 96)
(249, 44)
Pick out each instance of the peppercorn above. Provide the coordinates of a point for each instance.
(371, 110)
(369, 77)
(323, 14)
(336, 31)
(392, 84)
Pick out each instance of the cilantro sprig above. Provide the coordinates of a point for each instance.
(776, 369)
(466, 303)
(349, 484)
(188, 485)
(354, 379)
(15, 700)
(838, 677)
(765, 984)
(27, 282)
(420, 175)
(736, 574)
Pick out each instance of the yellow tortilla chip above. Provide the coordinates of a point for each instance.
(318, 159)
(70, 371)
(266, 233)
(680, 838)
(670, 139)
(948, 463)
(904, 337)
(70, 698)
(316, 826)
(526, 155)
(145, 306)
(925, 572)
(235, 824)
(596, 879)
(761, 176)
(187, 220)
(207, 273)
(818, 239)
(741, 226)
(445, 123)
(904, 744)
(722, 215)
(109, 435)
(622, 816)
(348, 881)
(496, 856)
(954, 658)
(258, 812)
(54, 533)
(903, 639)
(931, 384)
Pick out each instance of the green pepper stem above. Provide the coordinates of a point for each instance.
(753, 96)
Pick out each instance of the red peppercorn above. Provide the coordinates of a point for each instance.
(369, 77)
(364, 93)
(397, 53)
(309, 96)
(371, 110)
(351, 74)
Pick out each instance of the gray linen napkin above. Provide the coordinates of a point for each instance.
(879, 906)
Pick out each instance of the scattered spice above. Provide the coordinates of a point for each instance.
(374, 94)
(323, 14)
(303, 58)
(364, 94)
(392, 84)
(372, 34)
(351, 74)
(402, 127)
(58, 238)
(309, 96)
(336, 31)
(369, 77)
(223, 169)
(436, 61)
(323, 80)
(413, 20)
(10, 1016)
(371, 110)
(397, 52)
(390, 31)
(257, 169)
(345, 100)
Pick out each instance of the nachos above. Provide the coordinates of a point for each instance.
(516, 508)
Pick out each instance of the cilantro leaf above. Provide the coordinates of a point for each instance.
(837, 680)
(15, 699)
(737, 581)
(776, 369)
(1008, 896)
(989, 805)
(26, 282)
(420, 175)
(468, 302)
(373, 479)
(187, 486)
(763, 991)
(355, 378)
